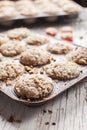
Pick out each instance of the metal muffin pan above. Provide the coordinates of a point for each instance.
(31, 19)
(59, 86)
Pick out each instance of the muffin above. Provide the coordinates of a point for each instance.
(63, 70)
(33, 86)
(35, 57)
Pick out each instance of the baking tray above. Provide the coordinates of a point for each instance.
(32, 19)
(59, 86)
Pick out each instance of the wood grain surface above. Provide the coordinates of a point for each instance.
(66, 112)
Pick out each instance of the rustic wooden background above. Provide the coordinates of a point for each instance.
(82, 2)
(66, 112)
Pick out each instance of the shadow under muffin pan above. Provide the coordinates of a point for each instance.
(59, 86)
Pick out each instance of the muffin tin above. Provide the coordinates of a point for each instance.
(16, 8)
(59, 86)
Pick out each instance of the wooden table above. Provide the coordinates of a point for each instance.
(66, 112)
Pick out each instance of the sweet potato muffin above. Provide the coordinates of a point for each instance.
(36, 39)
(11, 49)
(79, 56)
(7, 12)
(63, 70)
(35, 57)
(28, 11)
(52, 9)
(33, 86)
(51, 31)
(67, 29)
(58, 48)
(10, 70)
(18, 33)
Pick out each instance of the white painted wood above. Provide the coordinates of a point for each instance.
(69, 110)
